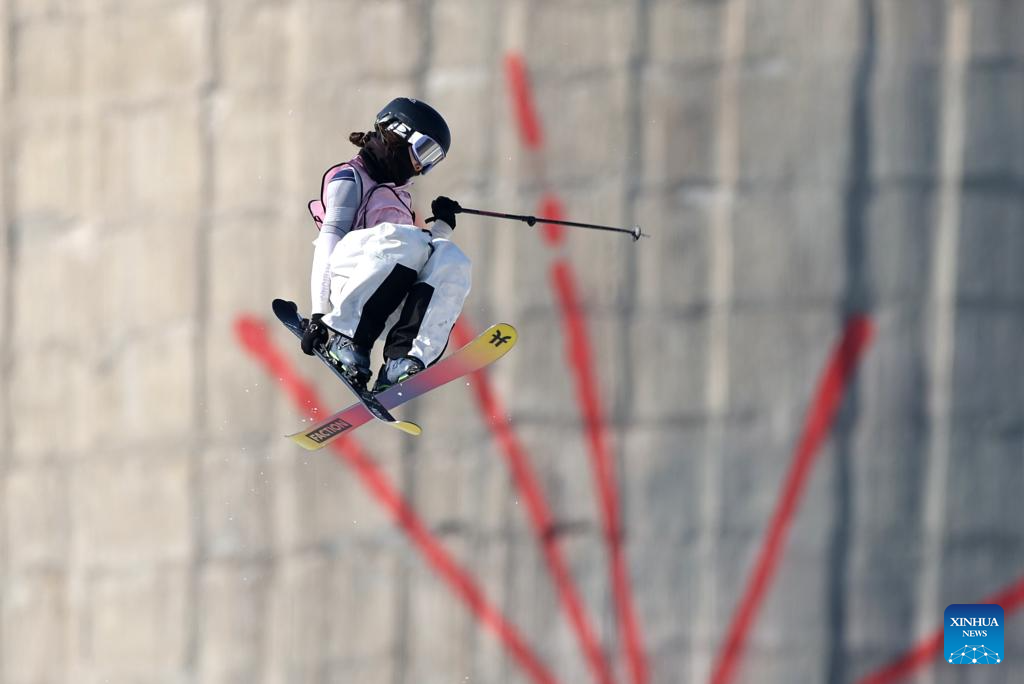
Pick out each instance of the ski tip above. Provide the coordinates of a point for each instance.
(408, 427)
(304, 441)
(500, 335)
(283, 305)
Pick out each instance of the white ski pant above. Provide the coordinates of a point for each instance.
(398, 269)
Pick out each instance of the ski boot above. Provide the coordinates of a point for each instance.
(395, 371)
(350, 359)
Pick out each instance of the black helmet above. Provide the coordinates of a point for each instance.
(415, 120)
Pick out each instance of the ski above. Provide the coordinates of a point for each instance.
(288, 313)
(487, 348)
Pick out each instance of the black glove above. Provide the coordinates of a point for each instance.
(315, 335)
(445, 210)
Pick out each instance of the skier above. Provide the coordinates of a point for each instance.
(369, 256)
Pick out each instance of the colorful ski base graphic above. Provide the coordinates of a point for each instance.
(288, 313)
(487, 348)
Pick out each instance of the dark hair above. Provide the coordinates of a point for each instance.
(359, 139)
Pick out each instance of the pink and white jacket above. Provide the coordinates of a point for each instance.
(350, 200)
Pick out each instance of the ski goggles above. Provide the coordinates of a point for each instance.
(426, 152)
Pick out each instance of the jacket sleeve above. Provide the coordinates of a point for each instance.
(341, 201)
(320, 276)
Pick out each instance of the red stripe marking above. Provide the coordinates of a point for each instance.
(823, 409)
(582, 364)
(253, 336)
(522, 101)
(551, 207)
(496, 416)
(580, 357)
(1011, 598)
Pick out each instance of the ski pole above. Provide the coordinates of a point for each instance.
(634, 232)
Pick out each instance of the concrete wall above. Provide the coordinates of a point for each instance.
(798, 162)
